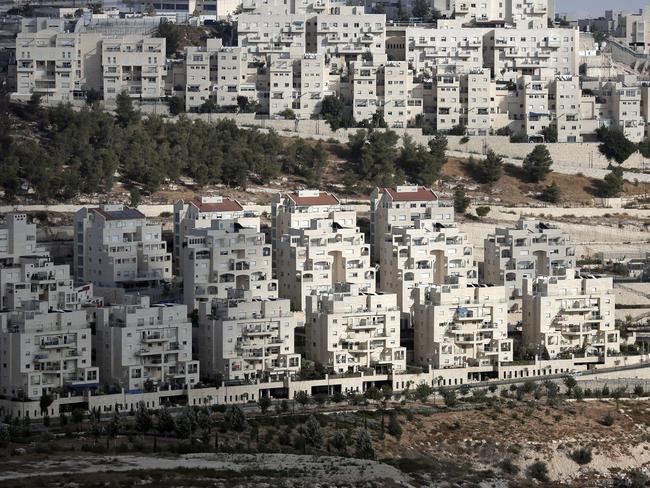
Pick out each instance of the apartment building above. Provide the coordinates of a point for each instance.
(522, 14)
(295, 209)
(330, 250)
(201, 73)
(476, 91)
(365, 97)
(45, 351)
(245, 339)
(564, 100)
(428, 252)
(17, 239)
(531, 249)
(38, 279)
(137, 345)
(346, 32)
(633, 29)
(135, 65)
(198, 213)
(225, 256)
(266, 32)
(314, 85)
(55, 61)
(570, 314)
(281, 85)
(461, 324)
(623, 106)
(396, 92)
(236, 76)
(402, 206)
(350, 331)
(513, 52)
(115, 246)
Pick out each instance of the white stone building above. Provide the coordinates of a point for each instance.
(245, 339)
(570, 314)
(531, 249)
(201, 74)
(348, 331)
(17, 239)
(115, 246)
(461, 324)
(45, 352)
(136, 343)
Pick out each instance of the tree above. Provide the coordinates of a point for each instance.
(482, 211)
(34, 106)
(77, 416)
(570, 383)
(364, 449)
(185, 424)
(235, 418)
(373, 393)
(169, 31)
(550, 133)
(538, 164)
(461, 201)
(164, 421)
(340, 441)
(420, 163)
(613, 183)
(5, 436)
(126, 114)
(302, 398)
(394, 427)
(488, 170)
(264, 402)
(45, 402)
(143, 420)
(333, 111)
(614, 145)
(374, 154)
(423, 391)
(449, 397)
(312, 432)
(551, 193)
(457, 130)
(582, 455)
(93, 96)
(288, 114)
(176, 105)
(387, 392)
(114, 426)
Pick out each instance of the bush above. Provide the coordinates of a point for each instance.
(508, 467)
(538, 470)
(464, 140)
(461, 200)
(608, 420)
(482, 211)
(582, 455)
(638, 390)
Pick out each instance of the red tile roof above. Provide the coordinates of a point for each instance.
(226, 205)
(421, 195)
(323, 198)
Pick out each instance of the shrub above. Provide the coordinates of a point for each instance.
(608, 420)
(638, 390)
(538, 470)
(482, 211)
(508, 467)
(582, 455)
(394, 427)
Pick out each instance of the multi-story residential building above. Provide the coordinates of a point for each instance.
(236, 76)
(515, 52)
(37, 278)
(17, 239)
(395, 90)
(134, 65)
(448, 112)
(314, 85)
(201, 74)
(365, 99)
(535, 97)
(633, 29)
(198, 213)
(223, 257)
(476, 89)
(564, 99)
(523, 14)
(44, 351)
(115, 246)
(137, 345)
(348, 32)
(428, 252)
(265, 32)
(623, 98)
(531, 249)
(314, 259)
(402, 206)
(56, 61)
(281, 85)
(295, 209)
(570, 314)
(461, 324)
(348, 331)
(245, 339)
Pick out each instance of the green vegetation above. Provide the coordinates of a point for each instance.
(613, 183)
(488, 170)
(169, 31)
(539, 471)
(538, 164)
(551, 193)
(614, 145)
(482, 211)
(461, 200)
(582, 455)
(306, 160)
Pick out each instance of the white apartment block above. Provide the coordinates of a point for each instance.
(349, 331)
(281, 89)
(428, 252)
(448, 111)
(245, 339)
(267, 32)
(134, 65)
(314, 259)
(402, 206)
(55, 62)
(461, 324)
(476, 90)
(347, 32)
(44, 352)
(223, 257)
(38, 279)
(363, 80)
(295, 209)
(115, 246)
(623, 106)
(314, 85)
(634, 29)
(17, 239)
(570, 314)
(565, 97)
(201, 74)
(198, 213)
(523, 14)
(396, 92)
(237, 75)
(531, 249)
(136, 343)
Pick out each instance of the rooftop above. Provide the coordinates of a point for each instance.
(312, 197)
(411, 194)
(216, 205)
(126, 213)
